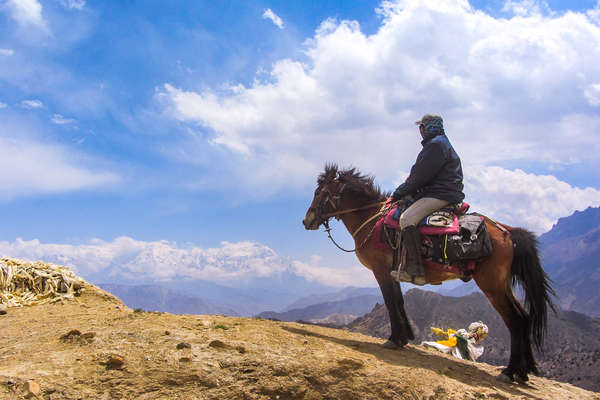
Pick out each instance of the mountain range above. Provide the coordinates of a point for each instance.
(571, 257)
(570, 253)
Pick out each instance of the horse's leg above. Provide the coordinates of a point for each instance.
(405, 325)
(394, 302)
(515, 319)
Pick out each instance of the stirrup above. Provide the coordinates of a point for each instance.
(418, 280)
(403, 276)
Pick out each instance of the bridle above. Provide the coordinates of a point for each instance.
(333, 197)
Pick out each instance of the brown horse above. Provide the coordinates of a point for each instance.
(356, 200)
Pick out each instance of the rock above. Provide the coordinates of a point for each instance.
(115, 361)
(183, 345)
(167, 333)
(31, 388)
(3, 308)
(71, 334)
(88, 335)
(217, 344)
(241, 349)
(185, 359)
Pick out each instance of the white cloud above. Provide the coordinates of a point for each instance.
(521, 199)
(6, 52)
(32, 104)
(592, 94)
(512, 84)
(26, 12)
(2, 105)
(73, 4)
(60, 120)
(29, 167)
(126, 258)
(524, 8)
(270, 15)
(594, 14)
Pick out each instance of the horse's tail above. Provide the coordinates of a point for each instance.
(527, 270)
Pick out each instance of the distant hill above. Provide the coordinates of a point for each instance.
(571, 256)
(158, 298)
(572, 226)
(343, 294)
(354, 306)
(572, 349)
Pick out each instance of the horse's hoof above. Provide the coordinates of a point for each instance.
(502, 377)
(521, 378)
(390, 345)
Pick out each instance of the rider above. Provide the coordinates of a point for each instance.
(435, 181)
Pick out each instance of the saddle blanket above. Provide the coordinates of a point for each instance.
(452, 240)
(440, 222)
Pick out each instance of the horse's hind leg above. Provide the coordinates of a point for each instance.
(499, 293)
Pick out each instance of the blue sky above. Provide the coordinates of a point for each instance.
(198, 122)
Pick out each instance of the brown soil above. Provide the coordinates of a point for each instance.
(94, 347)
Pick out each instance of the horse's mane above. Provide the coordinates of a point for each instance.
(362, 186)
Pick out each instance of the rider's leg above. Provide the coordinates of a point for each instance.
(411, 237)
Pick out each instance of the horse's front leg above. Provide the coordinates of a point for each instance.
(394, 302)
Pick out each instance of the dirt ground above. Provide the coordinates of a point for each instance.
(94, 347)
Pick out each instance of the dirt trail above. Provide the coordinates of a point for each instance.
(113, 352)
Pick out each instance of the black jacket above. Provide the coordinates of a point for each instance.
(437, 173)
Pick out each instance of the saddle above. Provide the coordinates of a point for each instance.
(453, 241)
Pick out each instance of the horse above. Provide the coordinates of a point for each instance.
(355, 199)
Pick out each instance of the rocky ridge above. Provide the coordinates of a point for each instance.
(94, 347)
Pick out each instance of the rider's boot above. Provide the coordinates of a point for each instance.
(411, 239)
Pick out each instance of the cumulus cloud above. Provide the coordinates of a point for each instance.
(517, 90)
(523, 199)
(6, 52)
(60, 120)
(511, 85)
(274, 18)
(32, 104)
(125, 258)
(26, 12)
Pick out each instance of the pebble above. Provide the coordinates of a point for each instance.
(115, 361)
(217, 344)
(167, 333)
(3, 308)
(88, 335)
(185, 359)
(183, 345)
(71, 333)
(32, 388)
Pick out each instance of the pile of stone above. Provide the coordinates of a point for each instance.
(24, 283)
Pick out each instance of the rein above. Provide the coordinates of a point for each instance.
(338, 213)
(364, 242)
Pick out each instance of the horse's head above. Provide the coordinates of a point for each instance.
(326, 200)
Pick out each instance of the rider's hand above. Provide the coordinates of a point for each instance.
(396, 196)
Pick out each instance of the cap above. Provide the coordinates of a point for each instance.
(428, 118)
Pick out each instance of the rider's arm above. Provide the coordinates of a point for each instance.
(429, 162)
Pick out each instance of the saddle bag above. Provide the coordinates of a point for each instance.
(472, 241)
